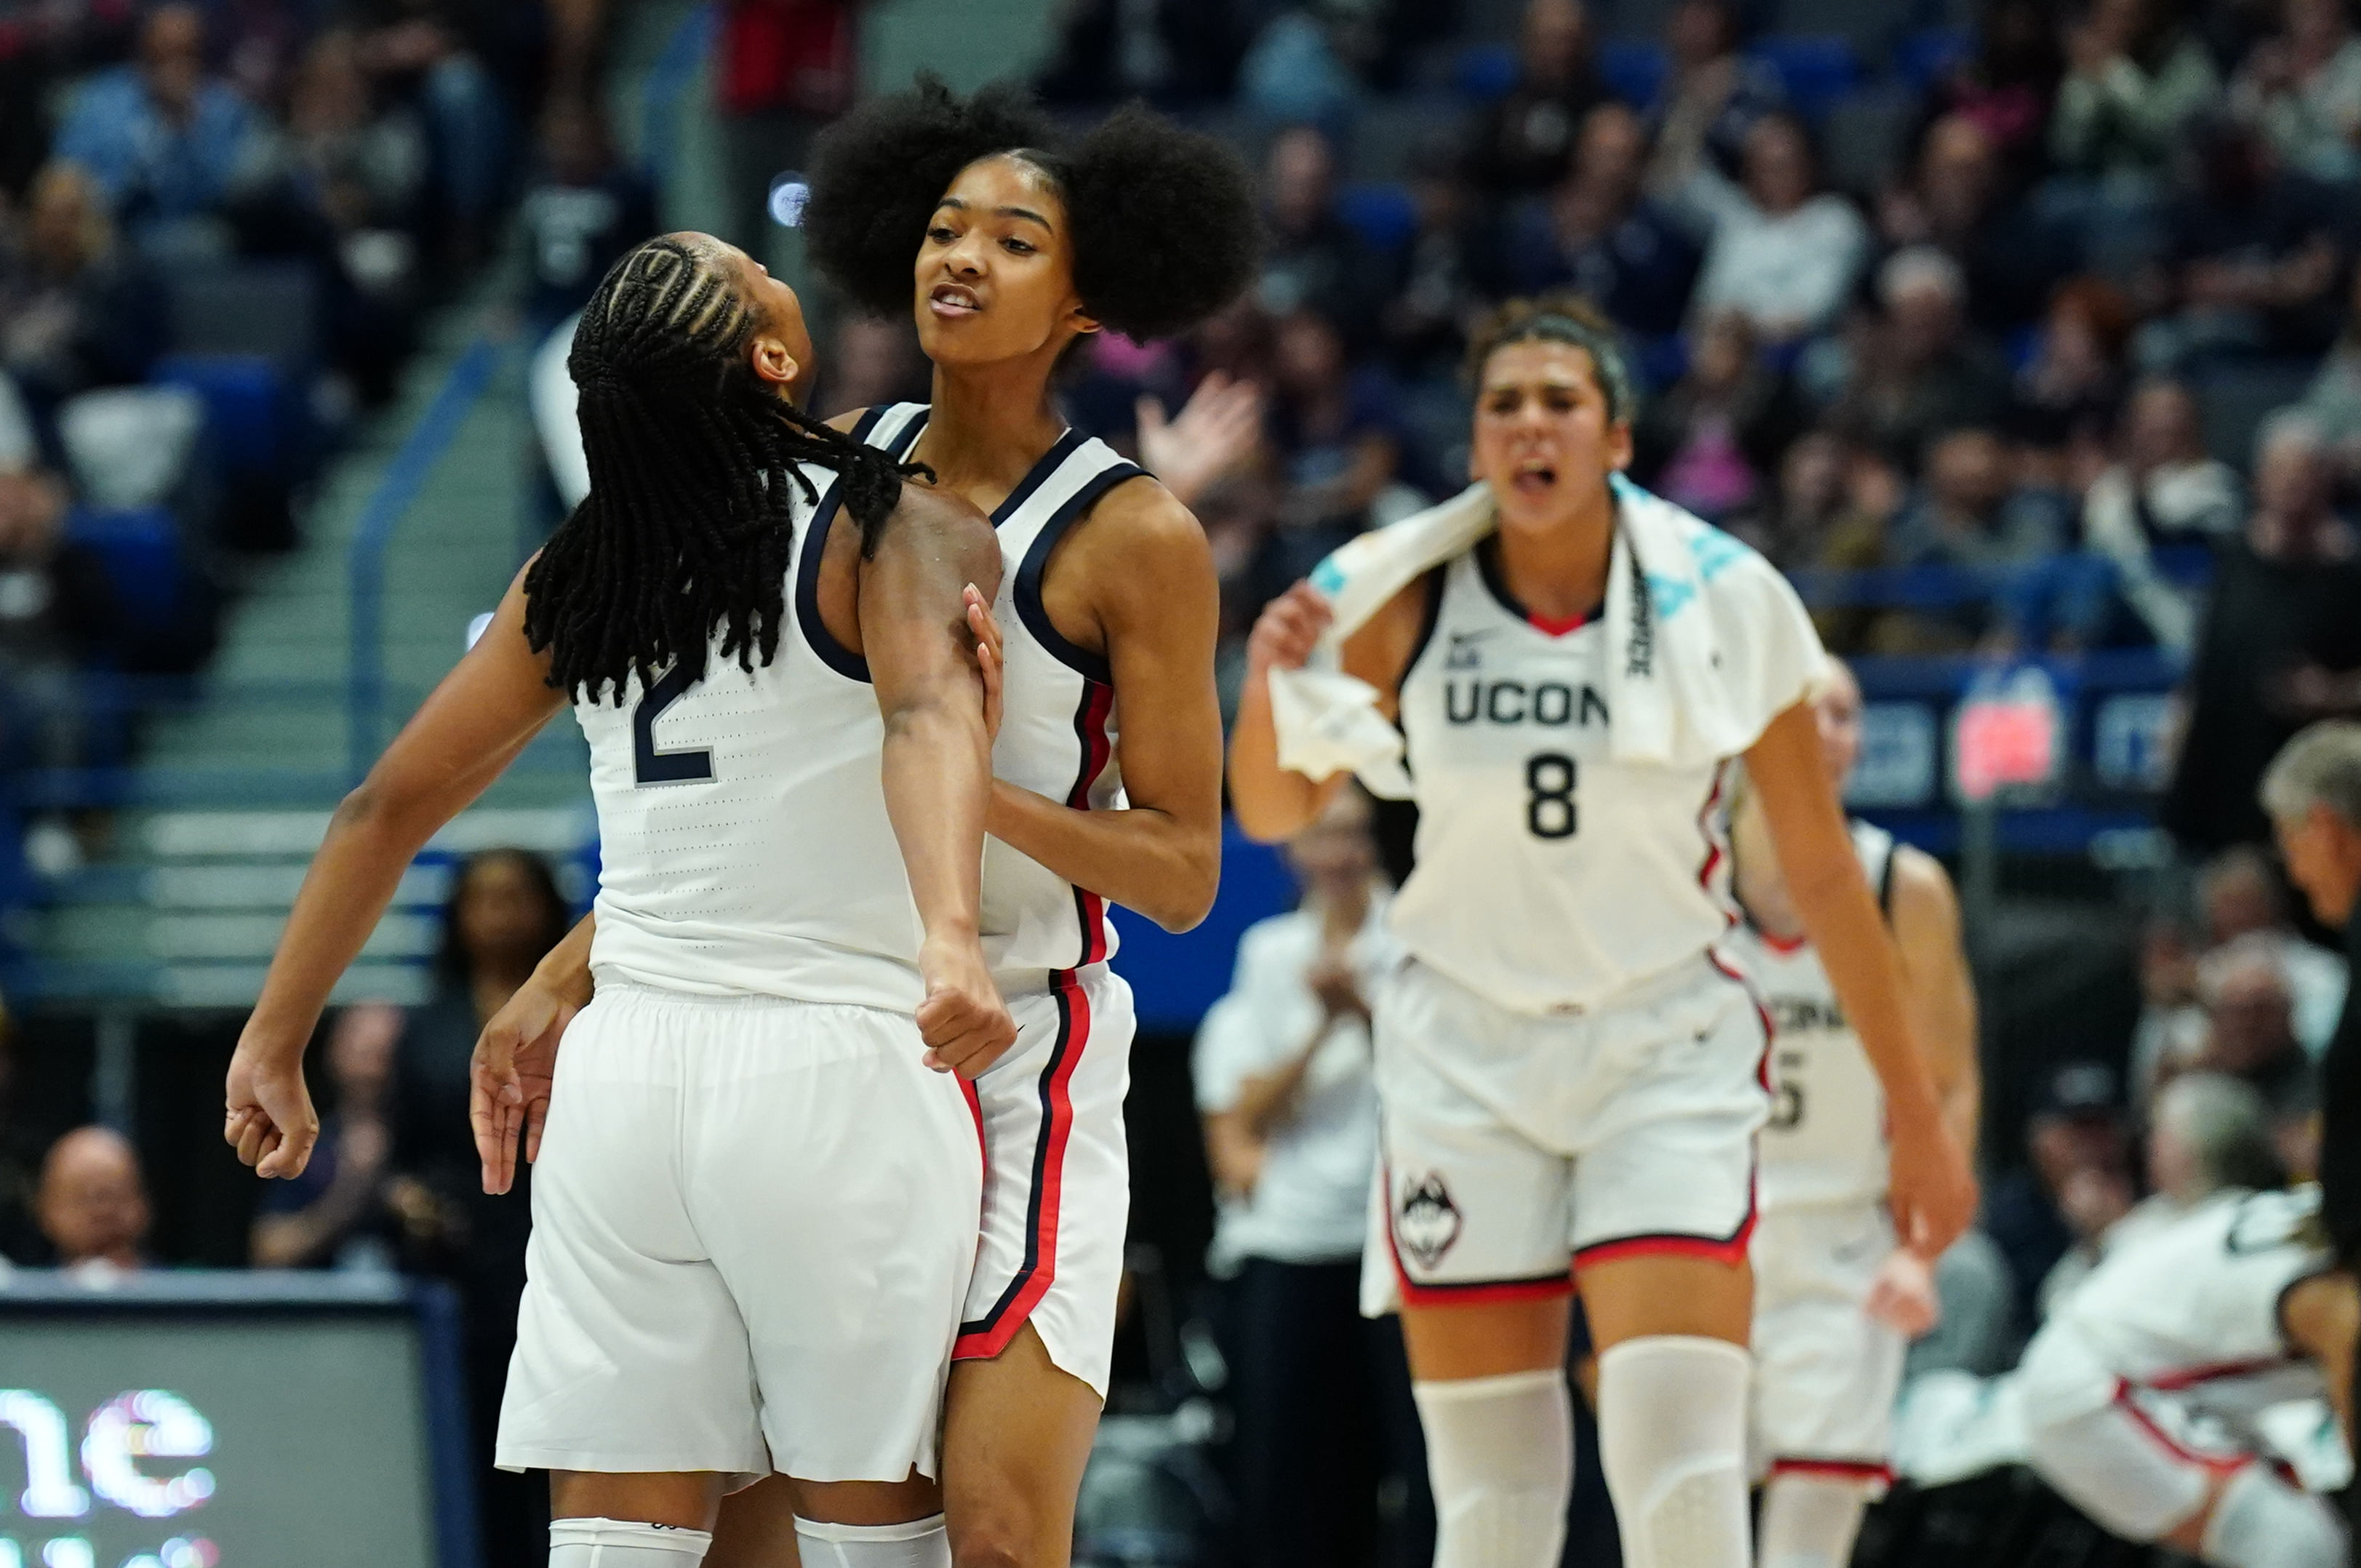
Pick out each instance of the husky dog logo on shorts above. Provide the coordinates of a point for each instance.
(1429, 1222)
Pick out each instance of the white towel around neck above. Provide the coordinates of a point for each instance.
(1718, 647)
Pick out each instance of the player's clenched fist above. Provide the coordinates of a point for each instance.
(1285, 632)
(268, 1118)
(963, 1021)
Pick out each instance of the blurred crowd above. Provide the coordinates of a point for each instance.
(2017, 337)
(2028, 332)
(221, 226)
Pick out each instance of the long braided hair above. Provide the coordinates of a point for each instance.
(688, 525)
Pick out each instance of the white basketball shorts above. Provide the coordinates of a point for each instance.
(753, 1223)
(2139, 1461)
(1513, 1146)
(1826, 1372)
(1057, 1186)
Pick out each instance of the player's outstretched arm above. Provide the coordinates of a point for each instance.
(1150, 574)
(1941, 995)
(1932, 1192)
(472, 727)
(938, 762)
(1271, 802)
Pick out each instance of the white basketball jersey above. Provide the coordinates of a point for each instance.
(1549, 876)
(1058, 708)
(743, 841)
(1825, 1140)
(2193, 1306)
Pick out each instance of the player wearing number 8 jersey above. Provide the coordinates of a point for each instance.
(1835, 1301)
(1569, 1084)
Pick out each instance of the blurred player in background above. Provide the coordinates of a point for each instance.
(1567, 1075)
(790, 781)
(1836, 1300)
(2141, 1392)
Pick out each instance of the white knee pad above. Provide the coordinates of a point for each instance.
(1499, 1454)
(1809, 1522)
(921, 1543)
(624, 1543)
(2260, 1521)
(1672, 1438)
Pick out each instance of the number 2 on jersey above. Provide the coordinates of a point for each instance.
(1548, 795)
(650, 766)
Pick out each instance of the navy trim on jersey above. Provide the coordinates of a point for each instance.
(900, 443)
(867, 422)
(1049, 1083)
(1082, 661)
(1065, 446)
(831, 653)
(1886, 883)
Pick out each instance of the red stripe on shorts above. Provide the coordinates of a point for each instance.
(1730, 1250)
(2218, 1463)
(988, 1337)
(1836, 1469)
(2189, 1378)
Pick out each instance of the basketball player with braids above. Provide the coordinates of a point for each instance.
(763, 633)
(1010, 242)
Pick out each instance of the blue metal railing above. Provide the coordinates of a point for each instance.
(365, 697)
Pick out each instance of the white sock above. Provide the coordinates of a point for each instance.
(1808, 1521)
(1672, 1438)
(1499, 1454)
(921, 1543)
(624, 1543)
(2260, 1521)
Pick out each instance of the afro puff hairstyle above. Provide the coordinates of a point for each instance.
(1163, 219)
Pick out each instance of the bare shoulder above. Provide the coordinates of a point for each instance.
(1141, 514)
(1139, 547)
(847, 420)
(1922, 891)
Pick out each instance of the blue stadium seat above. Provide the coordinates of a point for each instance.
(1486, 71)
(145, 564)
(250, 415)
(1381, 211)
(1634, 70)
(1817, 73)
(1926, 56)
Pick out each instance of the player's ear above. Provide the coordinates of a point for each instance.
(773, 361)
